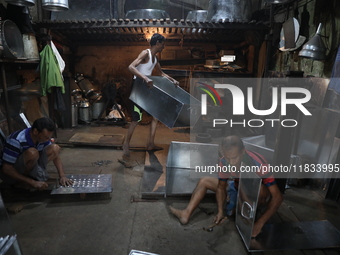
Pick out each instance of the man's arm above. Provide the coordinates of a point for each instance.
(140, 59)
(220, 198)
(273, 205)
(62, 178)
(160, 71)
(13, 173)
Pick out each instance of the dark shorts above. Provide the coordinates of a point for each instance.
(136, 111)
(38, 172)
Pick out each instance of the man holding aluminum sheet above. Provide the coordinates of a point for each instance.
(142, 67)
(235, 157)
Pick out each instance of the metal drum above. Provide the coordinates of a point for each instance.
(12, 45)
(85, 85)
(84, 111)
(55, 5)
(229, 10)
(21, 2)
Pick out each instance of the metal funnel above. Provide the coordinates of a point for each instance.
(315, 48)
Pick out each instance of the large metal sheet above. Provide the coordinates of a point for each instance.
(296, 236)
(86, 183)
(248, 193)
(171, 105)
(9, 244)
(187, 163)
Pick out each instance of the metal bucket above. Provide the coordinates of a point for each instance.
(97, 108)
(84, 111)
(229, 10)
(21, 2)
(12, 45)
(30, 47)
(55, 5)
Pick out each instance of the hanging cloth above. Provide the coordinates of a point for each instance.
(50, 75)
(60, 60)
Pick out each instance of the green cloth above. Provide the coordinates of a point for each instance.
(50, 75)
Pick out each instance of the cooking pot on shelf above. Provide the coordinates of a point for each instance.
(197, 15)
(21, 2)
(11, 43)
(55, 5)
(146, 14)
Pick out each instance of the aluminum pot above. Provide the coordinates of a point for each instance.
(229, 10)
(147, 14)
(12, 45)
(197, 15)
(84, 111)
(21, 2)
(30, 47)
(55, 5)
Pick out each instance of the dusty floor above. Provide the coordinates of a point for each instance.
(113, 224)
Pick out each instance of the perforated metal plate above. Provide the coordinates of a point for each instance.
(86, 183)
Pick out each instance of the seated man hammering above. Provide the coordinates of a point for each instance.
(26, 154)
(236, 155)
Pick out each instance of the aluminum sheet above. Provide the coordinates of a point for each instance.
(182, 172)
(86, 183)
(171, 105)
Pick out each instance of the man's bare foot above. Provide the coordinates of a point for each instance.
(126, 151)
(180, 214)
(153, 147)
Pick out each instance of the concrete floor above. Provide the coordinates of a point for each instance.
(112, 224)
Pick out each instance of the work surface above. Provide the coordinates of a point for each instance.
(116, 224)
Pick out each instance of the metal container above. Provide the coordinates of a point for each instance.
(12, 45)
(30, 47)
(97, 108)
(85, 85)
(197, 15)
(182, 165)
(171, 105)
(21, 2)
(55, 5)
(84, 111)
(74, 113)
(146, 14)
(229, 10)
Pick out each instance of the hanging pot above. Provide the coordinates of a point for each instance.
(21, 2)
(12, 45)
(55, 5)
(30, 47)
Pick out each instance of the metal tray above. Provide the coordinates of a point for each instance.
(171, 105)
(86, 183)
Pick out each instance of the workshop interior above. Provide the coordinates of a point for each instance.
(266, 71)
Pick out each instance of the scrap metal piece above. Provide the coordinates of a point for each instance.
(86, 183)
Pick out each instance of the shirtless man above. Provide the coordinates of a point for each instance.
(142, 67)
(234, 154)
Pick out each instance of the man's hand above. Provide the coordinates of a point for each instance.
(257, 229)
(39, 185)
(149, 83)
(219, 219)
(64, 181)
(176, 83)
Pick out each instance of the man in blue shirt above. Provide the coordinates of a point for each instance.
(26, 154)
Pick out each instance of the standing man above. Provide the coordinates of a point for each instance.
(26, 154)
(142, 67)
(235, 155)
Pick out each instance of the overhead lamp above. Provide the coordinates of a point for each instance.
(315, 48)
(55, 5)
(21, 2)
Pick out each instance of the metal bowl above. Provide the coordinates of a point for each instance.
(197, 15)
(147, 14)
